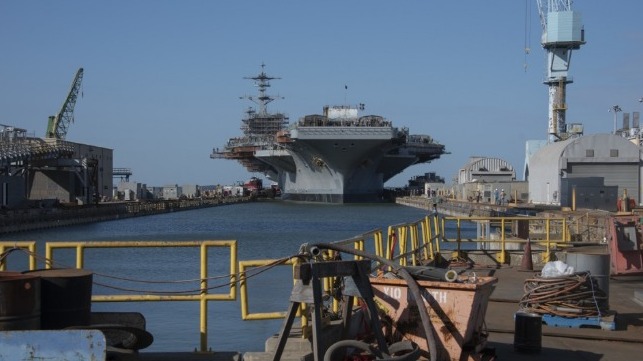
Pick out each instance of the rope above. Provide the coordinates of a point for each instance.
(576, 295)
(246, 275)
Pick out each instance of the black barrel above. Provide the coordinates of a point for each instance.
(65, 297)
(19, 301)
(528, 332)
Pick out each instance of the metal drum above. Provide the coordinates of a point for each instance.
(19, 301)
(528, 332)
(596, 260)
(66, 296)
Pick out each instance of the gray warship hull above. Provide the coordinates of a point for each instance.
(336, 157)
(342, 164)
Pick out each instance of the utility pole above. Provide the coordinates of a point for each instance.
(616, 109)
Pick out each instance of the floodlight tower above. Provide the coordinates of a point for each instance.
(562, 32)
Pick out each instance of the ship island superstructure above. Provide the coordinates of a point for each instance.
(338, 156)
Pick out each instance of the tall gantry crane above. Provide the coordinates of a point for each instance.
(562, 32)
(58, 124)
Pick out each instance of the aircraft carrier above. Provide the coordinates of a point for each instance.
(338, 156)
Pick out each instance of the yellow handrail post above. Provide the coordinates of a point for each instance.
(502, 255)
(439, 233)
(80, 256)
(414, 244)
(428, 237)
(389, 242)
(378, 243)
(402, 241)
(203, 301)
(48, 255)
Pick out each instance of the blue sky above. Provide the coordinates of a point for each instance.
(163, 78)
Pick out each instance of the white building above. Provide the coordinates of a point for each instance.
(593, 169)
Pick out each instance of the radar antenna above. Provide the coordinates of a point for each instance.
(262, 81)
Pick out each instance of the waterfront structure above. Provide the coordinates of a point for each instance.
(85, 177)
(38, 169)
(35, 169)
(338, 156)
(592, 171)
(489, 180)
(487, 169)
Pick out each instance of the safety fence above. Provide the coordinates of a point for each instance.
(412, 243)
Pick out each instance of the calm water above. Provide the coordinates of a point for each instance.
(263, 230)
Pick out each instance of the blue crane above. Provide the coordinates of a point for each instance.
(562, 32)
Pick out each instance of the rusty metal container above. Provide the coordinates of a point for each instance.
(457, 317)
(19, 301)
(65, 297)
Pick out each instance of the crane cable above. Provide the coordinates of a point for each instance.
(527, 40)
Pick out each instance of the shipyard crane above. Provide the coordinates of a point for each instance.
(562, 32)
(58, 124)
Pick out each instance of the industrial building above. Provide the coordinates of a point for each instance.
(85, 177)
(37, 169)
(486, 179)
(593, 171)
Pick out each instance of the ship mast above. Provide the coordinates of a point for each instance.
(262, 81)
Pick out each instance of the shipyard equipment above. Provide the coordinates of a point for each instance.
(59, 123)
(563, 32)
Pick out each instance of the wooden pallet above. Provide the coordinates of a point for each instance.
(607, 322)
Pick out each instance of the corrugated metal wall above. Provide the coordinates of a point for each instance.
(615, 179)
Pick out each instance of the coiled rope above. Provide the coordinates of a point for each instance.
(576, 295)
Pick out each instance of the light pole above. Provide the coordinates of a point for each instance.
(616, 109)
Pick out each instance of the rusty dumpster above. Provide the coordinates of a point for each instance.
(456, 309)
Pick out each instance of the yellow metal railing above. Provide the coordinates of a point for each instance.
(244, 266)
(550, 233)
(203, 297)
(406, 236)
(29, 246)
(358, 242)
(411, 243)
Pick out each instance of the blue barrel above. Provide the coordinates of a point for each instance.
(65, 298)
(19, 301)
(528, 332)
